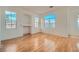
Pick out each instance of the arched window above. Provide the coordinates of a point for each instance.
(50, 21)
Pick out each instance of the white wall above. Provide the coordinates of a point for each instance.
(72, 25)
(61, 21)
(11, 33)
(33, 29)
(26, 23)
(66, 22)
(0, 21)
(24, 18)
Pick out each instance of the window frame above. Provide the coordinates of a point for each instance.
(11, 20)
(36, 22)
(49, 23)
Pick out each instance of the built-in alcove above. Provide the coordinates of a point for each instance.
(26, 30)
(26, 24)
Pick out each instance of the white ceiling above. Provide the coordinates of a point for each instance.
(37, 9)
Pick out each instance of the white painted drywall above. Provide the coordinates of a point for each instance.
(26, 23)
(23, 19)
(72, 25)
(0, 21)
(61, 21)
(11, 33)
(32, 15)
(66, 22)
(33, 29)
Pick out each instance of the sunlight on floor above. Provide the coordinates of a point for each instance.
(11, 48)
(50, 45)
(77, 46)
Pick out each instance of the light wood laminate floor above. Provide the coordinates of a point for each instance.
(41, 42)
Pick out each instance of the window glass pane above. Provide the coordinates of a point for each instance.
(36, 21)
(50, 21)
(52, 25)
(78, 21)
(47, 25)
(46, 21)
(8, 25)
(10, 18)
(13, 18)
(8, 21)
(13, 25)
(36, 25)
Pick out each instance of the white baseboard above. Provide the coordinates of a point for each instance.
(0, 44)
(74, 36)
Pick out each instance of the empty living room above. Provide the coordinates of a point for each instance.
(39, 28)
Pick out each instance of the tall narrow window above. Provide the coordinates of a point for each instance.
(50, 21)
(10, 18)
(78, 21)
(36, 21)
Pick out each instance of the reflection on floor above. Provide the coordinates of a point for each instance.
(41, 43)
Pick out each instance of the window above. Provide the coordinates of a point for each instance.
(78, 21)
(36, 21)
(50, 21)
(10, 18)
